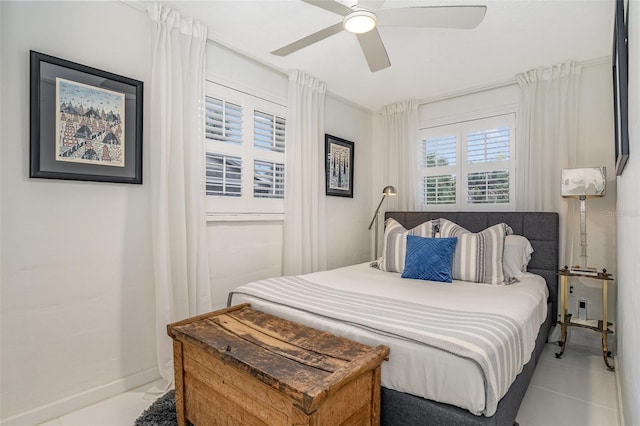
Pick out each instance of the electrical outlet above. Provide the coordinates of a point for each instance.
(582, 309)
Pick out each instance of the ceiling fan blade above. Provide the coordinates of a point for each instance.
(308, 40)
(432, 16)
(331, 6)
(374, 51)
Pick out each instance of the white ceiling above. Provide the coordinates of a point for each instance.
(515, 35)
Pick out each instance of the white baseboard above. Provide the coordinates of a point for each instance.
(619, 391)
(81, 400)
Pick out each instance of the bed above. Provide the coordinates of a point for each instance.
(457, 385)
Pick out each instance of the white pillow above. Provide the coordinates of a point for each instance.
(478, 256)
(395, 243)
(517, 254)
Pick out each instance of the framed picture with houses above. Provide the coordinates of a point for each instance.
(85, 123)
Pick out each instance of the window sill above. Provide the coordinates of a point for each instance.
(245, 217)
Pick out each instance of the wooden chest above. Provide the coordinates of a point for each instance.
(239, 366)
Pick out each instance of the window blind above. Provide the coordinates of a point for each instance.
(439, 189)
(488, 145)
(268, 131)
(488, 187)
(223, 121)
(245, 146)
(224, 175)
(468, 164)
(439, 151)
(268, 179)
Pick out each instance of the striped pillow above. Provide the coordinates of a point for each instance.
(395, 243)
(478, 256)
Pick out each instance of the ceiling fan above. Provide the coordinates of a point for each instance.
(364, 17)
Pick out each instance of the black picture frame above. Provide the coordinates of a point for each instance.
(85, 123)
(620, 88)
(339, 156)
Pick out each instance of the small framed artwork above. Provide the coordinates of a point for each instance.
(339, 166)
(85, 123)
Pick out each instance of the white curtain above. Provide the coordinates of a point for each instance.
(176, 132)
(305, 247)
(395, 160)
(399, 148)
(548, 128)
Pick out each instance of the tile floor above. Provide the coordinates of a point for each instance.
(120, 410)
(576, 390)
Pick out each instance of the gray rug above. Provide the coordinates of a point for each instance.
(161, 413)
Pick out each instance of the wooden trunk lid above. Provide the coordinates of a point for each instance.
(305, 364)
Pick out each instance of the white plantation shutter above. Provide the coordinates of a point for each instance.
(469, 165)
(488, 187)
(245, 139)
(223, 121)
(438, 162)
(224, 175)
(268, 179)
(268, 135)
(438, 149)
(439, 189)
(488, 145)
(268, 131)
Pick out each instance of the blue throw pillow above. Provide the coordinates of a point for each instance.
(429, 258)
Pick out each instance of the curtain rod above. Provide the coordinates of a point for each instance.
(504, 83)
(469, 91)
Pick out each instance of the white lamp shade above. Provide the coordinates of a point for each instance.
(586, 182)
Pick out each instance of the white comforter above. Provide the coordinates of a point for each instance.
(415, 368)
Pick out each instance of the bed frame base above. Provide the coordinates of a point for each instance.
(402, 409)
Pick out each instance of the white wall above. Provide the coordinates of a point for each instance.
(77, 287)
(595, 148)
(463, 107)
(348, 239)
(628, 214)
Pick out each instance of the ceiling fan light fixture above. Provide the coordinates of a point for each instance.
(360, 22)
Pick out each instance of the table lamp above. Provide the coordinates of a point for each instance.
(583, 183)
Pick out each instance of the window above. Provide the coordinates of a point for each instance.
(268, 179)
(224, 175)
(245, 152)
(223, 121)
(469, 165)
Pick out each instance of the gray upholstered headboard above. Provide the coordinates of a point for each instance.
(540, 228)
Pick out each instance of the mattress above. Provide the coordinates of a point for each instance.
(415, 368)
